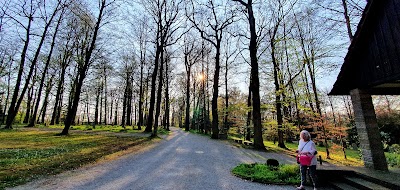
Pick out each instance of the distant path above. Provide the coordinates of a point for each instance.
(182, 161)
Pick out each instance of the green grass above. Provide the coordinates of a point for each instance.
(27, 154)
(336, 155)
(196, 132)
(284, 174)
(162, 131)
(110, 128)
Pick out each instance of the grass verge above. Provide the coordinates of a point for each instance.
(336, 155)
(281, 175)
(30, 153)
(109, 128)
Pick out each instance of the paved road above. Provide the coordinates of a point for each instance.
(181, 161)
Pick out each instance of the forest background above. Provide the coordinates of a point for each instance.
(258, 70)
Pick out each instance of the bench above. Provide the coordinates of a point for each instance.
(249, 143)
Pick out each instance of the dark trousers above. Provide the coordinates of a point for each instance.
(312, 171)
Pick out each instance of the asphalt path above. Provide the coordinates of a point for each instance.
(180, 161)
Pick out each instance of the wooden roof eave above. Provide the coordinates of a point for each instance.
(346, 80)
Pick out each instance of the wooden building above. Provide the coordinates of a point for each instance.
(372, 67)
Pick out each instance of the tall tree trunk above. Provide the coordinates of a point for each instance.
(195, 106)
(101, 104)
(129, 104)
(124, 106)
(308, 93)
(187, 114)
(248, 121)
(278, 100)
(347, 19)
(214, 103)
(296, 102)
(310, 65)
(111, 110)
(116, 112)
(146, 102)
(8, 92)
(105, 97)
(87, 109)
(28, 104)
(317, 102)
(153, 90)
(286, 104)
(96, 109)
(82, 74)
(307, 62)
(167, 104)
(181, 107)
(291, 85)
(207, 95)
(255, 83)
(203, 93)
(311, 71)
(12, 111)
(140, 123)
(65, 61)
(159, 93)
(46, 98)
(60, 87)
(46, 67)
(59, 106)
(33, 103)
(226, 96)
(258, 139)
(73, 101)
(135, 112)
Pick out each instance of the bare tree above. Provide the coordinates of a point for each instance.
(212, 32)
(64, 60)
(83, 65)
(255, 81)
(165, 14)
(229, 53)
(351, 11)
(127, 70)
(280, 9)
(142, 48)
(28, 13)
(191, 56)
(168, 69)
(43, 110)
(43, 77)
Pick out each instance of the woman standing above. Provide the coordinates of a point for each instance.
(307, 148)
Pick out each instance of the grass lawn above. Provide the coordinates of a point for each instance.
(109, 128)
(336, 155)
(27, 154)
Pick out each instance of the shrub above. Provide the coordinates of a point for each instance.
(395, 148)
(283, 174)
(393, 159)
